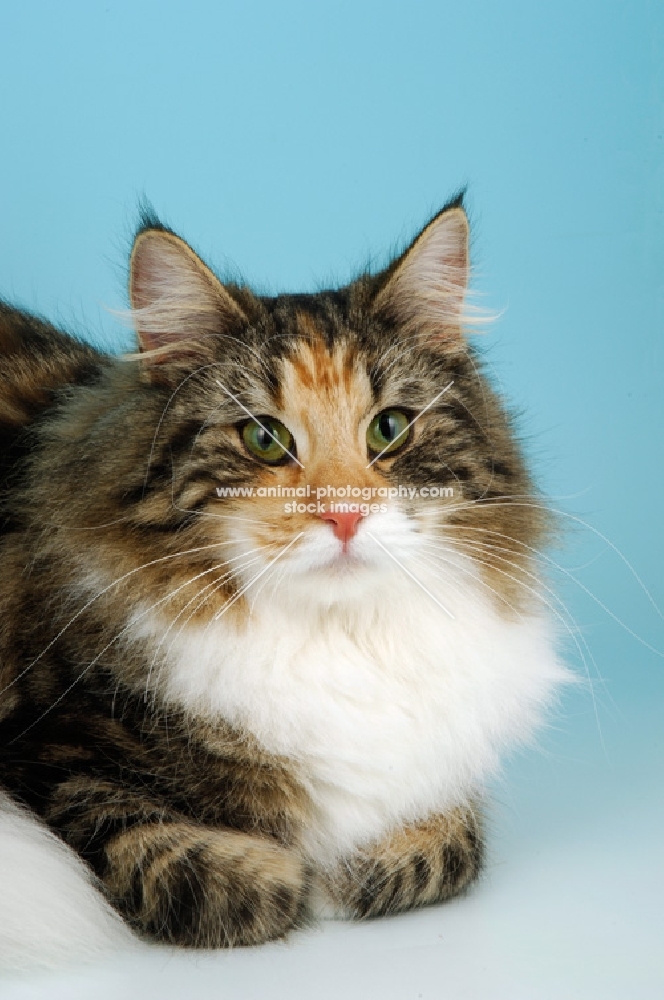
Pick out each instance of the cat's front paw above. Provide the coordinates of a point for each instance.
(417, 865)
(206, 888)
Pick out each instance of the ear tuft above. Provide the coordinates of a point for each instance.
(426, 287)
(174, 296)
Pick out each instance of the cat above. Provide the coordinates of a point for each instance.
(239, 711)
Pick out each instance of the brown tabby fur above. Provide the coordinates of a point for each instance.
(194, 830)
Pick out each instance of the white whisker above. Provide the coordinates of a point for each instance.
(105, 590)
(246, 587)
(409, 425)
(262, 426)
(509, 502)
(123, 631)
(536, 592)
(409, 574)
(215, 583)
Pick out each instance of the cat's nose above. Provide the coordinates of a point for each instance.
(344, 525)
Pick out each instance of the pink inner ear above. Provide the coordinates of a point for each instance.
(144, 282)
(175, 298)
(428, 287)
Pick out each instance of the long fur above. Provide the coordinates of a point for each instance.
(224, 714)
(52, 910)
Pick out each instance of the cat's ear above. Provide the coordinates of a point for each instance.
(178, 304)
(425, 288)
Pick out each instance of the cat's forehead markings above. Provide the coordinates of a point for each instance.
(320, 369)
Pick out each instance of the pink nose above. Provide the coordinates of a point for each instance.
(344, 525)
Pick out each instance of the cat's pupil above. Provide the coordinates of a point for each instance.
(263, 439)
(388, 426)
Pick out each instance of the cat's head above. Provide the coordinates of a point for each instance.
(326, 441)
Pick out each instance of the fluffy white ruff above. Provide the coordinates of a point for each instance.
(50, 912)
(389, 706)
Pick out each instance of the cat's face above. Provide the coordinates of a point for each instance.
(321, 504)
(324, 440)
(298, 461)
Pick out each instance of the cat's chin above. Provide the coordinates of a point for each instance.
(345, 572)
(344, 564)
(343, 581)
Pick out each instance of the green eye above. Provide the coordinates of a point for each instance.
(267, 438)
(388, 431)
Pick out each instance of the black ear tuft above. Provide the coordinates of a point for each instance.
(456, 201)
(148, 218)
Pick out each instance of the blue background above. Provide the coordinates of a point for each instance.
(295, 142)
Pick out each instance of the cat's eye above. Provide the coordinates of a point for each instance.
(268, 439)
(388, 432)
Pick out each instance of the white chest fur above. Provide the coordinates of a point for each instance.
(390, 709)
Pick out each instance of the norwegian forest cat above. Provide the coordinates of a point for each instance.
(242, 708)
